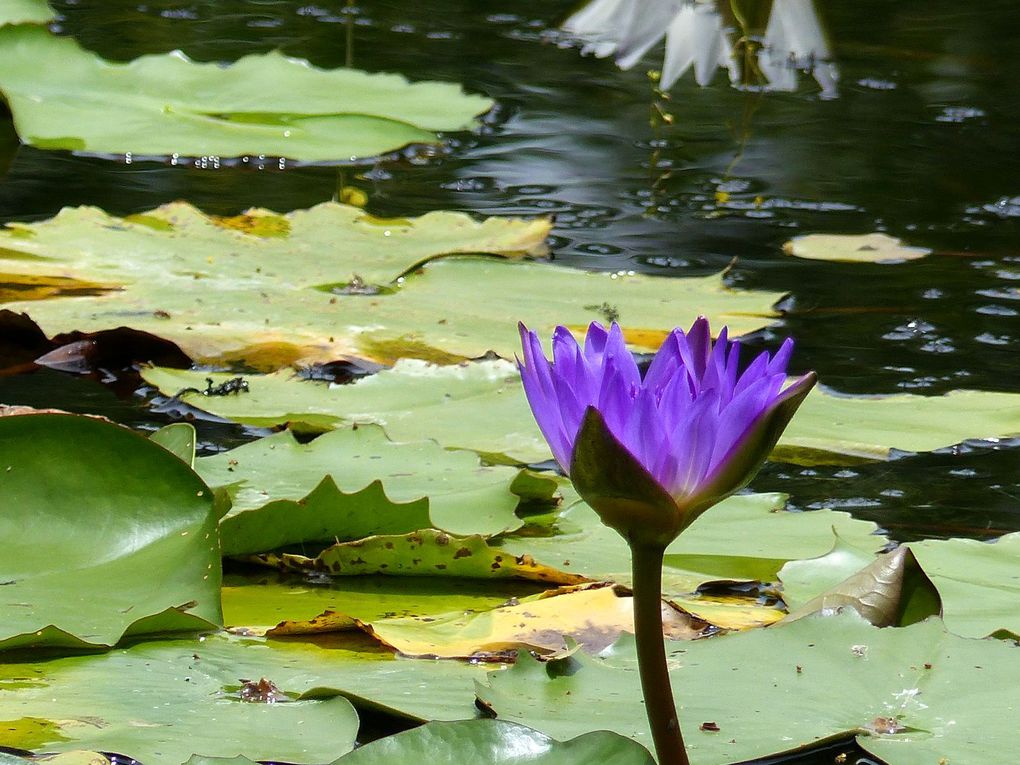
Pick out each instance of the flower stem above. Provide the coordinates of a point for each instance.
(646, 565)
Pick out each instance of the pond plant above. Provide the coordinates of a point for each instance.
(338, 524)
(650, 453)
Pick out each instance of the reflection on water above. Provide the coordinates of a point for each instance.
(712, 34)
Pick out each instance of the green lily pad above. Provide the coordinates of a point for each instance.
(747, 537)
(490, 741)
(496, 742)
(475, 405)
(979, 583)
(260, 600)
(106, 534)
(162, 702)
(64, 97)
(304, 289)
(914, 695)
(284, 492)
(25, 12)
(891, 591)
(870, 427)
(482, 406)
(179, 439)
(853, 248)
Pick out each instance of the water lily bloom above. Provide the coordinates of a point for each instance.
(650, 453)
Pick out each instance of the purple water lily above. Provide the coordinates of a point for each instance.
(689, 433)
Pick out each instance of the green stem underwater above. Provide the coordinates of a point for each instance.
(646, 565)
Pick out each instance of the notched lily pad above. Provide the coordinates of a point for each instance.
(353, 483)
(106, 534)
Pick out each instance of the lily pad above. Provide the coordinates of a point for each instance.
(591, 616)
(914, 695)
(871, 427)
(179, 439)
(474, 405)
(482, 406)
(490, 741)
(307, 292)
(25, 12)
(498, 743)
(428, 552)
(747, 537)
(163, 702)
(354, 483)
(106, 534)
(259, 602)
(65, 97)
(979, 583)
(891, 591)
(853, 248)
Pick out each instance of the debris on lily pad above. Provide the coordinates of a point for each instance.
(853, 248)
(284, 295)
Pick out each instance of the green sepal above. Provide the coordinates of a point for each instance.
(624, 494)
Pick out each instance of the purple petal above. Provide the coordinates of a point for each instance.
(616, 351)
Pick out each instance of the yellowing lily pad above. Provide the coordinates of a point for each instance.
(593, 617)
(65, 97)
(853, 248)
(428, 552)
(311, 293)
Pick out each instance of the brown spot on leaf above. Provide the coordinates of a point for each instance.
(463, 552)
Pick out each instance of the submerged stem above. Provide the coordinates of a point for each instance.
(646, 565)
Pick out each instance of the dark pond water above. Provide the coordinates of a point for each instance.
(919, 141)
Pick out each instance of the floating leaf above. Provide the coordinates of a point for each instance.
(474, 405)
(64, 97)
(807, 578)
(162, 702)
(870, 427)
(350, 484)
(428, 552)
(25, 12)
(223, 295)
(105, 534)
(481, 406)
(890, 591)
(853, 248)
(979, 583)
(258, 601)
(593, 617)
(179, 439)
(496, 743)
(747, 537)
(767, 691)
(490, 741)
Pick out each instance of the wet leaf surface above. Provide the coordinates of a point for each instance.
(81, 102)
(106, 534)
